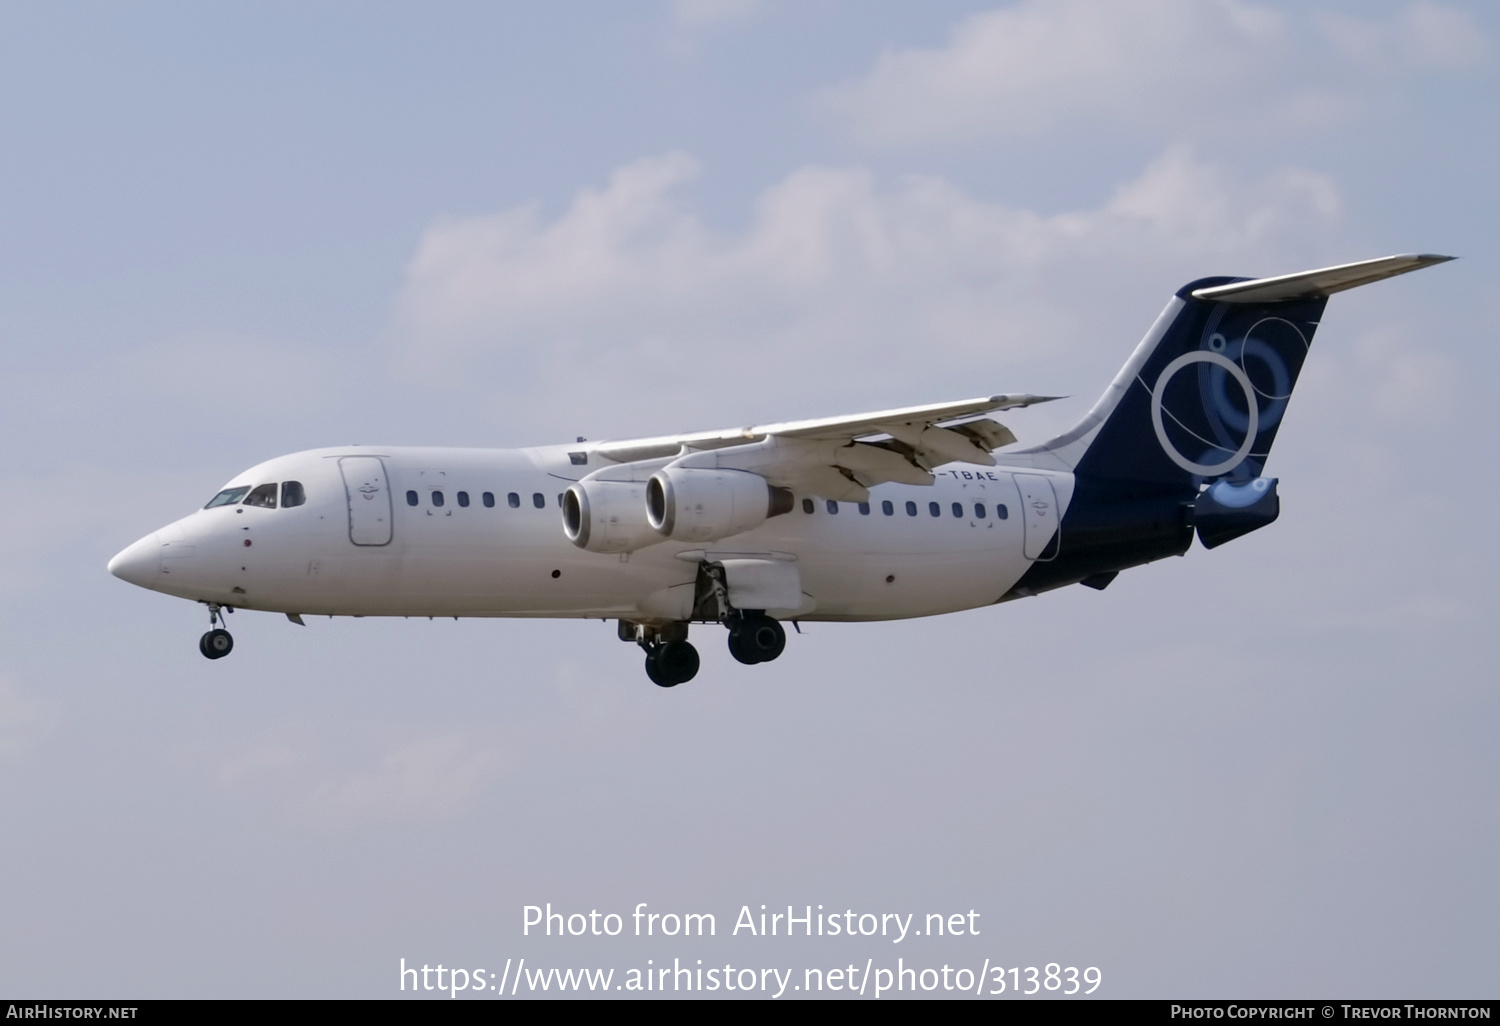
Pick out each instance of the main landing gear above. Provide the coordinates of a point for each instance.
(217, 643)
(755, 637)
(670, 663)
(670, 660)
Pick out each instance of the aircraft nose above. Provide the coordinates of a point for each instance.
(140, 563)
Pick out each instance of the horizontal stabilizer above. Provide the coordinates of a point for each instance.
(1318, 284)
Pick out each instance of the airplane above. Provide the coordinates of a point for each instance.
(877, 516)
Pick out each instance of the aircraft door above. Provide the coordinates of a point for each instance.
(369, 497)
(1039, 514)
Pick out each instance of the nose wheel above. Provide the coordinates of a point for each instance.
(218, 642)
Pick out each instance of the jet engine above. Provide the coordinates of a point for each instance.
(607, 516)
(689, 505)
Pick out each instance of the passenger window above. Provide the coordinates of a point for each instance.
(807, 506)
(979, 510)
(463, 499)
(1001, 512)
(292, 494)
(263, 495)
(513, 500)
(864, 509)
(411, 498)
(886, 507)
(958, 509)
(911, 509)
(437, 498)
(833, 507)
(538, 500)
(934, 509)
(489, 500)
(228, 497)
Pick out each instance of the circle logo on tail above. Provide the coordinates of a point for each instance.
(1252, 408)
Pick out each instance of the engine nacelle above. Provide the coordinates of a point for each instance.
(705, 505)
(607, 516)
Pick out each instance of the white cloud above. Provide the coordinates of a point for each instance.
(256, 376)
(1172, 65)
(22, 721)
(392, 773)
(707, 12)
(434, 778)
(406, 778)
(629, 298)
(1405, 382)
(32, 534)
(1423, 35)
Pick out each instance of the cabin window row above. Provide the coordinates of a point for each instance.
(981, 510)
(512, 499)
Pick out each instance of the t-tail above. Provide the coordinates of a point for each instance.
(1178, 443)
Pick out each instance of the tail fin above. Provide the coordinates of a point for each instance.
(1199, 401)
(1202, 396)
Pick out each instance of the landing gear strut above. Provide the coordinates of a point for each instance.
(217, 643)
(754, 637)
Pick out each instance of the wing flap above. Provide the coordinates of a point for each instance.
(875, 464)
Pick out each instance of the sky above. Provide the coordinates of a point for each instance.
(229, 232)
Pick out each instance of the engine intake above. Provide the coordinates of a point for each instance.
(705, 505)
(607, 516)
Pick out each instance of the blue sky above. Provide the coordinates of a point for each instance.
(232, 232)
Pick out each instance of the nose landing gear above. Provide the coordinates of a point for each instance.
(217, 643)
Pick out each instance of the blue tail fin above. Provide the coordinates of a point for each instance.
(1199, 402)
(1202, 397)
(1208, 399)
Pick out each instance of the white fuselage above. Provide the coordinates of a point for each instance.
(334, 553)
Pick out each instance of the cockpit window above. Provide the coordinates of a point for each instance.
(263, 495)
(228, 497)
(292, 494)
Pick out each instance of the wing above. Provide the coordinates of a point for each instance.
(834, 457)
